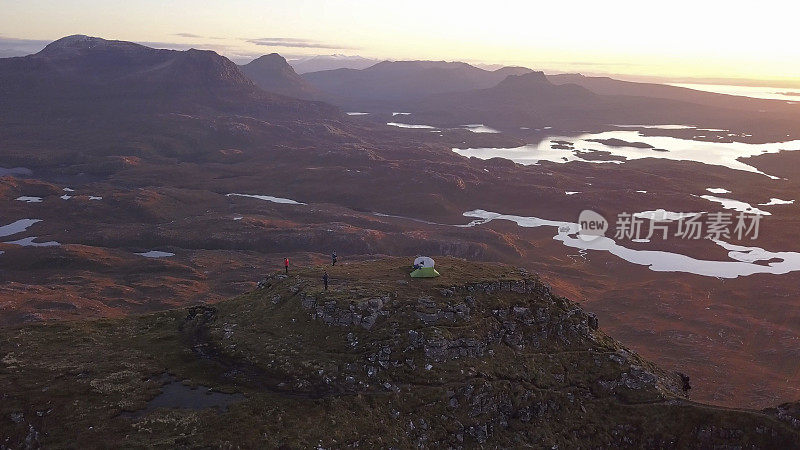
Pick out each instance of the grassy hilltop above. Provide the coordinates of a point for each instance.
(484, 355)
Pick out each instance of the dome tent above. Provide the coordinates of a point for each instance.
(423, 268)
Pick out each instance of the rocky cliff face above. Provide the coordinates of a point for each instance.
(485, 355)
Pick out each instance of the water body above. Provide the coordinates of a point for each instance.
(474, 127)
(268, 198)
(175, 395)
(770, 93)
(28, 199)
(661, 215)
(411, 125)
(776, 201)
(743, 261)
(480, 128)
(736, 205)
(156, 254)
(17, 227)
(28, 242)
(664, 147)
(659, 127)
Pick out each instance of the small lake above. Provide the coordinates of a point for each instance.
(17, 227)
(480, 128)
(176, 395)
(29, 242)
(156, 254)
(29, 199)
(473, 127)
(411, 126)
(743, 261)
(618, 146)
(736, 205)
(268, 198)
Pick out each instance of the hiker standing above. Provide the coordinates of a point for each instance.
(286, 265)
(333, 258)
(325, 280)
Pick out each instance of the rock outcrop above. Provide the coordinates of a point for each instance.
(485, 355)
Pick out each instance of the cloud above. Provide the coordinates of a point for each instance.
(235, 54)
(10, 47)
(294, 43)
(195, 36)
(174, 45)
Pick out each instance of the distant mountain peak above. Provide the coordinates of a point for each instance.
(272, 73)
(421, 65)
(79, 43)
(330, 62)
(269, 58)
(75, 40)
(525, 79)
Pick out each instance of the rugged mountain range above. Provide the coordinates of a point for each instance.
(273, 74)
(331, 62)
(454, 93)
(392, 84)
(86, 101)
(82, 75)
(532, 101)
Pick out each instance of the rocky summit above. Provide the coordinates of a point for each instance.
(483, 356)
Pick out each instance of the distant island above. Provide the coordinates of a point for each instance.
(614, 142)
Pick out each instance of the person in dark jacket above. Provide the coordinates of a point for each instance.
(333, 258)
(325, 280)
(286, 264)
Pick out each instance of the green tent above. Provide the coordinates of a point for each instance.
(423, 268)
(424, 272)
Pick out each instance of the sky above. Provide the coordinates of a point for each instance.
(677, 39)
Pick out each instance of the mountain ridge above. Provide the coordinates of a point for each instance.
(391, 84)
(330, 62)
(88, 75)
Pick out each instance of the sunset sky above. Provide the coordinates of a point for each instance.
(672, 39)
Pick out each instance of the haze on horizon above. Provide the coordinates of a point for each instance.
(680, 39)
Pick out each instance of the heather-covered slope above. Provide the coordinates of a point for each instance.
(484, 355)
